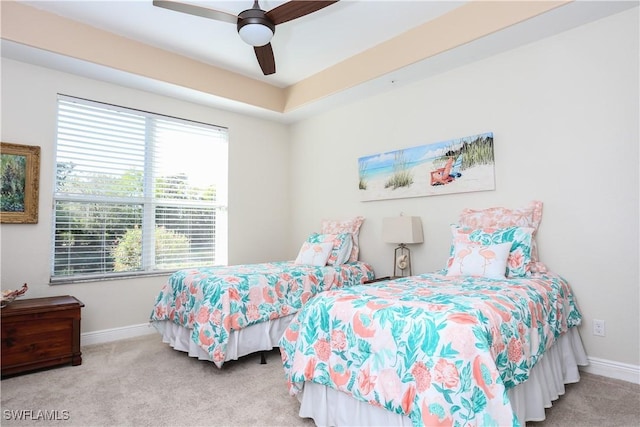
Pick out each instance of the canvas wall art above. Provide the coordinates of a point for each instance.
(455, 166)
(19, 183)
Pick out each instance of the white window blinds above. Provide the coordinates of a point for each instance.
(136, 192)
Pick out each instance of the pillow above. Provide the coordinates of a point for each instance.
(472, 259)
(519, 261)
(314, 254)
(499, 217)
(351, 226)
(341, 246)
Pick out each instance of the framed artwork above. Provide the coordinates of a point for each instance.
(454, 166)
(19, 181)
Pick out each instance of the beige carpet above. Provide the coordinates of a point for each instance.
(143, 382)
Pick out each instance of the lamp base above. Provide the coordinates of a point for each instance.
(402, 261)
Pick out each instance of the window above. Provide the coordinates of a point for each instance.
(136, 192)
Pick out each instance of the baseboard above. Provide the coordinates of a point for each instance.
(611, 369)
(115, 334)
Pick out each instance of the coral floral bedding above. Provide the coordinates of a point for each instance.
(214, 301)
(441, 350)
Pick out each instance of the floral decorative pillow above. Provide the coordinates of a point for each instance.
(529, 216)
(314, 253)
(473, 259)
(351, 226)
(341, 246)
(519, 260)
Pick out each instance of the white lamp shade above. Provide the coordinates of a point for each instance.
(402, 229)
(256, 34)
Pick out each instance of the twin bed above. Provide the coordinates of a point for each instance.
(489, 340)
(434, 350)
(224, 313)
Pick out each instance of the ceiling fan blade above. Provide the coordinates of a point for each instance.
(197, 10)
(264, 55)
(296, 9)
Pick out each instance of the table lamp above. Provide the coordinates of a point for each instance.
(402, 230)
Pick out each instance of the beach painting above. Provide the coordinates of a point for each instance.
(455, 166)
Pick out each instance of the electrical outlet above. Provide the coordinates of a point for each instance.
(598, 327)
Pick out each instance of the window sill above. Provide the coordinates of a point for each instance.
(88, 279)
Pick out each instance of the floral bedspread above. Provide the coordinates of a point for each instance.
(441, 350)
(213, 301)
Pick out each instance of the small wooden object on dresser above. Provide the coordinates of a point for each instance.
(40, 333)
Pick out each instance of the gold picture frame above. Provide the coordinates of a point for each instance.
(19, 183)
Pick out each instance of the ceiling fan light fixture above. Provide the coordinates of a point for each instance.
(256, 34)
(255, 28)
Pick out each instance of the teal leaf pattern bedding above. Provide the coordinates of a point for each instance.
(213, 301)
(441, 350)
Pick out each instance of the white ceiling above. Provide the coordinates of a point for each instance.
(301, 47)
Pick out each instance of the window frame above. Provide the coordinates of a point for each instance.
(148, 202)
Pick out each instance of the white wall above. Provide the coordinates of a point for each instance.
(564, 113)
(258, 181)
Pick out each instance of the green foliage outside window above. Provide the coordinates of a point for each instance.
(127, 253)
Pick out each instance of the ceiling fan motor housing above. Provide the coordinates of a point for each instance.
(255, 17)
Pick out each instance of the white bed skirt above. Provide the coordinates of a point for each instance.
(557, 367)
(259, 337)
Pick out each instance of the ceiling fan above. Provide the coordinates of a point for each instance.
(255, 26)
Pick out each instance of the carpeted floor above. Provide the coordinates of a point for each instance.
(143, 382)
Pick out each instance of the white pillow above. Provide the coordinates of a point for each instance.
(314, 253)
(472, 259)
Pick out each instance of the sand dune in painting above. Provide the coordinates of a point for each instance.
(477, 178)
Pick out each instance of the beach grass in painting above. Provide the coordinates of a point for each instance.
(453, 166)
(402, 174)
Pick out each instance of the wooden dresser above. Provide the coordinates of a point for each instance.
(39, 333)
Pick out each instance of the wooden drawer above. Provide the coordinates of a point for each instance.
(40, 332)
